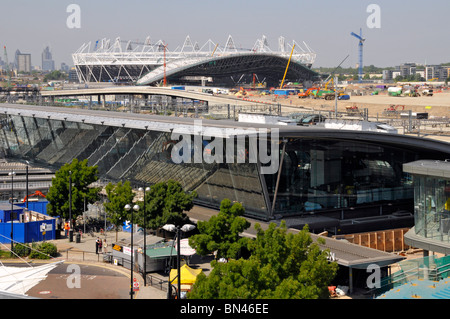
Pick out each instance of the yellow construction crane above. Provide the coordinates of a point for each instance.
(287, 66)
(329, 81)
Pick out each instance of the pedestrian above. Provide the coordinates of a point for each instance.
(66, 228)
(100, 245)
(96, 245)
(104, 246)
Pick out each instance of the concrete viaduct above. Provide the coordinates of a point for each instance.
(146, 91)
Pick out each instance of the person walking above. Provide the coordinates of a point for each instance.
(97, 242)
(104, 245)
(66, 229)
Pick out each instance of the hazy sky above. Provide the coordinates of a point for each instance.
(410, 31)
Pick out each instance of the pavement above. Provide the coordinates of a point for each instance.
(84, 252)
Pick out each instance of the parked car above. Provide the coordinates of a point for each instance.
(313, 119)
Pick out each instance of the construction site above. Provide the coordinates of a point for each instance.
(287, 89)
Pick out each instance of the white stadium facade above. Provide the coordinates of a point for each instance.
(144, 63)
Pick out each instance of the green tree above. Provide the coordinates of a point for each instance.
(58, 194)
(221, 232)
(166, 203)
(119, 195)
(282, 265)
(55, 75)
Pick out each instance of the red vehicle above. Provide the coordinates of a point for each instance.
(308, 92)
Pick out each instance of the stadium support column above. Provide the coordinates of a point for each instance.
(278, 176)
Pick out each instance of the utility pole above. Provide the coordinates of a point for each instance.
(335, 97)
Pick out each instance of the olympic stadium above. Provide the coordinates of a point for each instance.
(144, 63)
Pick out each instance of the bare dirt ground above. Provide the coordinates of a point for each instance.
(437, 105)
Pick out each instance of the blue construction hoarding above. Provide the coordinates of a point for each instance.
(35, 206)
(28, 232)
(5, 212)
(25, 232)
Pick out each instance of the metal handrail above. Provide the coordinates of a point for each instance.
(415, 272)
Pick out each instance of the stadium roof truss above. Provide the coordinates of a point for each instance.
(130, 61)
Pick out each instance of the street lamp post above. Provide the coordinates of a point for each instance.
(70, 208)
(145, 189)
(12, 174)
(176, 229)
(26, 186)
(128, 208)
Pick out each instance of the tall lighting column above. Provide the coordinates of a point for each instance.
(26, 186)
(128, 208)
(70, 207)
(12, 174)
(145, 189)
(172, 228)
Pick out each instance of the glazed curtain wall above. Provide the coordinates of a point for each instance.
(316, 174)
(432, 207)
(320, 174)
(136, 155)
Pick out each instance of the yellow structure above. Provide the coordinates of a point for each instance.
(188, 275)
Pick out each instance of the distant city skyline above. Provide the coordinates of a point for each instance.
(406, 32)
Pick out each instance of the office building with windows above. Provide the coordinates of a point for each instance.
(48, 64)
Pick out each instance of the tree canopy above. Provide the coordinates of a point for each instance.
(221, 232)
(119, 195)
(55, 75)
(282, 265)
(58, 194)
(166, 203)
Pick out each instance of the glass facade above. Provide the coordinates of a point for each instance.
(432, 207)
(317, 174)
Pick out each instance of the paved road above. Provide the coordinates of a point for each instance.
(82, 281)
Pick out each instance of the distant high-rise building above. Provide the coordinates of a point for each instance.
(48, 64)
(23, 62)
(16, 59)
(64, 67)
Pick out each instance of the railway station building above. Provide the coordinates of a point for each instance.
(341, 181)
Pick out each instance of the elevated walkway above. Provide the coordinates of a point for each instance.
(146, 90)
